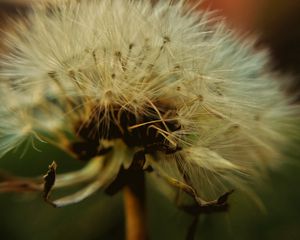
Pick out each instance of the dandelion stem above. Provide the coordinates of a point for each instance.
(135, 211)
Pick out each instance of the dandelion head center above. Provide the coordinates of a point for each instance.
(147, 130)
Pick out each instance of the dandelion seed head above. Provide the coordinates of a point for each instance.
(127, 75)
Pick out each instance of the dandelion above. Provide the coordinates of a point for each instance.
(133, 87)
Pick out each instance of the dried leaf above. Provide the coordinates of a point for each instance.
(49, 181)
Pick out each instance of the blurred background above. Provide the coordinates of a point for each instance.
(101, 217)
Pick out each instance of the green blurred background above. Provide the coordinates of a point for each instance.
(27, 216)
